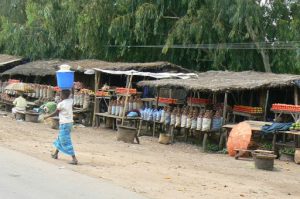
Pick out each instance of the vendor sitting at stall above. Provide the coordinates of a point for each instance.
(20, 104)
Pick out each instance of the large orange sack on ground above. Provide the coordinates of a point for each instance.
(239, 138)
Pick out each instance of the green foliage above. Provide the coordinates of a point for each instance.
(288, 151)
(105, 29)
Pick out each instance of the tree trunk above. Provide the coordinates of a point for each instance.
(263, 52)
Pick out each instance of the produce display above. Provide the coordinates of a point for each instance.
(82, 96)
(295, 126)
(117, 107)
(10, 81)
(102, 93)
(120, 90)
(248, 109)
(167, 100)
(286, 107)
(192, 100)
(187, 117)
(87, 91)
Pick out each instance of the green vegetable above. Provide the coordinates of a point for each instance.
(288, 151)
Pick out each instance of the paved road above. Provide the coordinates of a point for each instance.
(24, 177)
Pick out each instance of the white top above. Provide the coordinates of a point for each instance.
(65, 109)
(20, 103)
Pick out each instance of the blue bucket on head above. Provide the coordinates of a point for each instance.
(65, 79)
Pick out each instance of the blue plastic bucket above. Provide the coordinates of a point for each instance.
(65, 79)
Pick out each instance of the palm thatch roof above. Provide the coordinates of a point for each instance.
(36, 68)
(9, 61)
(43, 68)
(220, 81)
(123, 66)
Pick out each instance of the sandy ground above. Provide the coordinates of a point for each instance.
(154, 170)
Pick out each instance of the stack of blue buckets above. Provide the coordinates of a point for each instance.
(65, 77)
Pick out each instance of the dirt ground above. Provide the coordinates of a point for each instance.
(154, 170)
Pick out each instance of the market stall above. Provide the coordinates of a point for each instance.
(122, 101)
(241, 94)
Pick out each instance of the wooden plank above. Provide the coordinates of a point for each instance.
(246, 114)
(117, 117)
(295, 95)
(290, 132)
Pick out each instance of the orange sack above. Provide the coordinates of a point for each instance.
(239, 138)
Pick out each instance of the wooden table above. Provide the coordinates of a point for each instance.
(83, 113)
(8, 105)
(255, 126)
(247, 115)
(277, 145)
(278, 113)
(137, 120)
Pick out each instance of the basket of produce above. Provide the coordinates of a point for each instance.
(287, 154)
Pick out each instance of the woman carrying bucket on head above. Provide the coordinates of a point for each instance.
(63, 143)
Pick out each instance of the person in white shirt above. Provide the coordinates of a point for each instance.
(65, 112)
(20, 104)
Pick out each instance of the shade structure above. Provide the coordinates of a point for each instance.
(239, 138)
(20, 87)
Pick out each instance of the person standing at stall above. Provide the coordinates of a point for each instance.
(65, 112)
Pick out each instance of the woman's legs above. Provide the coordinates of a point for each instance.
(55, 154)
(74, 160)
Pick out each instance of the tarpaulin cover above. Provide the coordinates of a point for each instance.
(276, 127)
(149, 74)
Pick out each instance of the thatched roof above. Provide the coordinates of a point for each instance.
(123, 66)
(8, 59)
(220, 81)
(43, 68)
(36, 68)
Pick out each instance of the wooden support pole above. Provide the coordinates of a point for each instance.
(126, 98)
(295, 95)
(266, 105)
(214, 98)
(157, 98)
(97, 82)
(251, 99)
(225, 107)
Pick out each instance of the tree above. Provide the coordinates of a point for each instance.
(225, 35)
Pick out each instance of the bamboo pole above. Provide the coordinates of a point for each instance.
(157, 98)
(126, 98)
(225, 107)
(295, 95)
(97, 82)
(266, 105)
